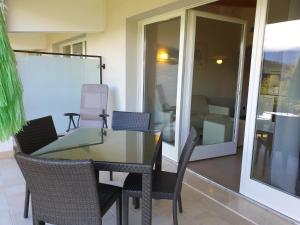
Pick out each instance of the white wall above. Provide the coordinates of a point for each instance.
(28, 41)
(56, 15)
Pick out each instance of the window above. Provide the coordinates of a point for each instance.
(75, 47)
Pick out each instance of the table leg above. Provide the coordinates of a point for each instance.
(147, 199)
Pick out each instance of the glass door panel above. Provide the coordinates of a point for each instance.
(216, 65)
(275, 159)
(216, 82)
(162, 40)
(270, 169)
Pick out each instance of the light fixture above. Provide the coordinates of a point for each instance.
(219, 61)
(162, 55)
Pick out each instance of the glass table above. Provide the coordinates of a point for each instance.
(111, 150)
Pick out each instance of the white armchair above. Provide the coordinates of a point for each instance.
(201, 109)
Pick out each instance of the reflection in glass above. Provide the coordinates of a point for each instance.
(277, 145)
(104, 145)
(215, 77)
(161, 72)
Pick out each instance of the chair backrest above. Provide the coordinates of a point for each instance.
(93, 103)
(187, 151)
(63, 191)
(36, 134)
(130, 121)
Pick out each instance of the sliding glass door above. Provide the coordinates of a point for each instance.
(214, 69)
(271, 165)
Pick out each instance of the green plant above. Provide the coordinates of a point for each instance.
(12, 116)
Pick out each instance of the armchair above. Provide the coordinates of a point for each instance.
(200, 110)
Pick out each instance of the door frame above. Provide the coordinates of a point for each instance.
(267, 195)
(221, 149)
(170, 151)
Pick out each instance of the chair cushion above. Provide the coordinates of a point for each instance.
(108, 194)
(163, 184)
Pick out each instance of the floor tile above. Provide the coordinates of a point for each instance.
(197, 194)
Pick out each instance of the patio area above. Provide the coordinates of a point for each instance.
(204, 203)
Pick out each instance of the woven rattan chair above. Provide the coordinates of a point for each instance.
(165, 185)
(35, 135)
(135, 121)
(67, 192)
(130, 121)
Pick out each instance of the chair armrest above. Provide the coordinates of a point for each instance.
(103, 115)
(104, 118)
(221, 110)
(71, 114)
(71, 120)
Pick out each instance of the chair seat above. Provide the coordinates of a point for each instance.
(108, 195)
(163, 184)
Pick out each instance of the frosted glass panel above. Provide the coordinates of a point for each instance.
(52, 85)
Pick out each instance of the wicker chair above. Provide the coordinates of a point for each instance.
(135, 121)
(67, 192)
(130, 121)
(165, 185)
(35, 135)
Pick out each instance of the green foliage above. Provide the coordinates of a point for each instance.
(12, 116)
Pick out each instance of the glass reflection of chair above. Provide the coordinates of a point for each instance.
(264, 141)
(168, 115)
(93, 107)
(135, 121)
(265, 130)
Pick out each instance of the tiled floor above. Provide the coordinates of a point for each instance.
(204, 203)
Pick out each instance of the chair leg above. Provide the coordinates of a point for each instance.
(119, 210)
(175, 219)
(97, 173)
(136, 202)
(125, 208)
(110, 175)
(180, 203)
(26, 203)
(69, 126)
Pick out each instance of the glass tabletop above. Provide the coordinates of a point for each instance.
(104, 145)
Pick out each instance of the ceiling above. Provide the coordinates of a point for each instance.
(237, 3)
